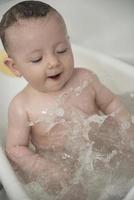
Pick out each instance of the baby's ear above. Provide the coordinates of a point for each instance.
(9, 62)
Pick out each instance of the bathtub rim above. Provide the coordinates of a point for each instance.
(116, 63)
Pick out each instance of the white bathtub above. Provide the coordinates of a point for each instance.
(116, 75)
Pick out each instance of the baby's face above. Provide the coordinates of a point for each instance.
(41, 52)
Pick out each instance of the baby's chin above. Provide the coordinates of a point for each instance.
(52, 89)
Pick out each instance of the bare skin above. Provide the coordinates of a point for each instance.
(47, 64)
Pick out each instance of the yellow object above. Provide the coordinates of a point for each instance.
(3, 68)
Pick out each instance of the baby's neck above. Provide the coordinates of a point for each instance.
(34, 91)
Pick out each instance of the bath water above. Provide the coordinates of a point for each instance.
(98, 157)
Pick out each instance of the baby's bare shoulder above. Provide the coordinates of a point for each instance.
(18, 103)
(86, 74)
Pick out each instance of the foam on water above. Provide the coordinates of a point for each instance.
(97, 158)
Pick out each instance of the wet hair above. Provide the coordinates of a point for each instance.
(23, 10)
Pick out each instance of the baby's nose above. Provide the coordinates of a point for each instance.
(53, 61)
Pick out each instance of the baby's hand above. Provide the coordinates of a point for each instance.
(105, 136)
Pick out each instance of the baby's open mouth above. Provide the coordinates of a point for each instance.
(55, 77)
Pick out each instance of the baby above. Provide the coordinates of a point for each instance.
(36, 40)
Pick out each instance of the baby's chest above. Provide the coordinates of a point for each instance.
(59, 118)
(74, 103)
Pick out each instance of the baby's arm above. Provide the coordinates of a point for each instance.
(18, 138)
(108, 102)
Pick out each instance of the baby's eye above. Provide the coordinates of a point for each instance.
(62, 51)
(36, 60)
